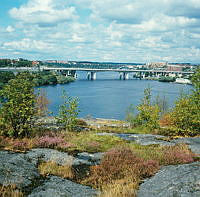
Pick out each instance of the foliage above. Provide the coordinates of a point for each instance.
(5, 77)
(15, 63)
(185, 116)
(50, 78)
(17, 106)
(148, 114)
(68, 112)
(61, 79)
(167, 79)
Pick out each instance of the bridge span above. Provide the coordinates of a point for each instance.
(92, 73)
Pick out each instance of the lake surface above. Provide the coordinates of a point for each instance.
(109, 97)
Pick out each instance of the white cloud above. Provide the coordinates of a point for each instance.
(43, 12)
(10, 29)
(105, 30)
(27, 44)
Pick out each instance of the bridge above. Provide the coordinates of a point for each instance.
(92, 73)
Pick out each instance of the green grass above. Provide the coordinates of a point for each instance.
(91, 142)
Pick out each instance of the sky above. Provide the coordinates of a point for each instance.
(101, 30)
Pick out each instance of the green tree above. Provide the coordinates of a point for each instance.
(17, 106)
(148, 113)
(68, 112)
(185, 115)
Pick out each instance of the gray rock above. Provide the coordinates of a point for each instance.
(17, 169)
(173, 181)
(62, 158)
(45, 154)
(88, 159)
(143, 139)
(59, 187)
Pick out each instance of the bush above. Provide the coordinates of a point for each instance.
(119, 163)
(177, 155)
(148, 114)
(68, 112)
(17, 106)
(185, 115)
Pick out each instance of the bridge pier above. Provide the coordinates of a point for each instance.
(91, 75)
(123, 75)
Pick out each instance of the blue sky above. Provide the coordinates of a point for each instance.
(101, 30)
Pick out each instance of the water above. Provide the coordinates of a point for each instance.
(109, 97)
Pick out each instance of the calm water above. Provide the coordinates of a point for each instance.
(109, 97)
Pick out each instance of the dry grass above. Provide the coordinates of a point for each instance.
(51, 168)
(10, 191)
(121, 188)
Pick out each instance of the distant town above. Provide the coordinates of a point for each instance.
(20, 62)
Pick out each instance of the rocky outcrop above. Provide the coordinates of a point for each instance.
(62, 158)
(46, 154)
(21, 170)
(59, 187)
(173, 181)
(17, 169)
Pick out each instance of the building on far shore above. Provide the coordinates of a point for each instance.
(172, 67)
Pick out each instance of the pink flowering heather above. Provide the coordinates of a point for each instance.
(49, 142)
(65, 145)
(177, 155)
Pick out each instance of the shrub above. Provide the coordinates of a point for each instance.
(17, 109)
(119, 163)
(185, 115)
(68, 112)
(178, 154)
(148, 114)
